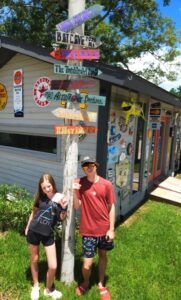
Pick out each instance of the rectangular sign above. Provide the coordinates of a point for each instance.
(74, 129)
(80, 115)
(75, 54)
(71, 85)
(76, 70)
(18, 93)
(77, 39)
(56, 95)
(80, 18)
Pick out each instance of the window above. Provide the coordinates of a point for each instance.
(29, 142)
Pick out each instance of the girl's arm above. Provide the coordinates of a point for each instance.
(76, 195)
(30, 219)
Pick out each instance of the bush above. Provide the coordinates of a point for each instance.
(15, 207)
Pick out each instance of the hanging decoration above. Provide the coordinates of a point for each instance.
(132, 108)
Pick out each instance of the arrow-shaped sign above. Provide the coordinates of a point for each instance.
(67, 129)
(80, 18)
(71, 85)
(76, 70)
(77, 39)
(73, 114)
(56, 95)
(75, 54)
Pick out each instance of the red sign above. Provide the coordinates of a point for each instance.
(42, 85)
(18, 76)
(75, 54)
(71, 85)
(74, 129)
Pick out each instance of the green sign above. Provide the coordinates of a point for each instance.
(76, 70)
(58, 95)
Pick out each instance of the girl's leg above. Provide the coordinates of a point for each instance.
(34, 264)
(52, 265)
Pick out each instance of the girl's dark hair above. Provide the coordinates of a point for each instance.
(40, 193)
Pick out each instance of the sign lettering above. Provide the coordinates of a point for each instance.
(74, 129)
(75, 54)
(77, 39)
(80, 18)
(76, 70)
(56, 95)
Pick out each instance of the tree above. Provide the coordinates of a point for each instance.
(128, 29)
(176, 91)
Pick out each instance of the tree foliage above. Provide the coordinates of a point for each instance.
(176, 91)
(128, 29)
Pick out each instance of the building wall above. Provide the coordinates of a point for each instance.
(24, 167)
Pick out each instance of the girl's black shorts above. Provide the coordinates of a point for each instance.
(35, 238)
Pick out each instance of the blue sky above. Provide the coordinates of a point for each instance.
(173, 11)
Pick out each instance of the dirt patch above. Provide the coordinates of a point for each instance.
(2, 234)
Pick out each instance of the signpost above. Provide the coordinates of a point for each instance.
(74, 129)
(75, 54)
(72, 85)
(80, 115)
(80, 18)
(76, 70)
(59, 95)
(77, 39)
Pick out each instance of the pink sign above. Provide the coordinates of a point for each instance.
(75, 54)
(71, 85)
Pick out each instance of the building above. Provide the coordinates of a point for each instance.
(139, 127)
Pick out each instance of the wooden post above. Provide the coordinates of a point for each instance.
(70, 172)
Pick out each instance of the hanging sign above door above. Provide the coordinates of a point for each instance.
(80, 18)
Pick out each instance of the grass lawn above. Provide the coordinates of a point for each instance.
(144, 265)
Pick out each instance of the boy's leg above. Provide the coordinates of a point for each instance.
(102, 266)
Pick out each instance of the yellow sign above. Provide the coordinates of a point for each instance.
(82, 115)
(3, 97)
(74, 129)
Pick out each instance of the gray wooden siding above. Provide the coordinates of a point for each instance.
(22, 167)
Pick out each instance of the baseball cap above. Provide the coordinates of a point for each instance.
(88, 159)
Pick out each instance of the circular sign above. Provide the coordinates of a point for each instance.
(42, 85)
(3, 97)
(18, 77)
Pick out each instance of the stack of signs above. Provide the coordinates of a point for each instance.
(62, 90)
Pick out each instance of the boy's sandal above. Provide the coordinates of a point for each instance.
(104, 293)
(81, 289)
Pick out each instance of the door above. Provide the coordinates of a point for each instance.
(157, 151)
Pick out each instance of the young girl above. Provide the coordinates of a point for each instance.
(48, 208)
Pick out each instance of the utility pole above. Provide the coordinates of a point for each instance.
(70, 172)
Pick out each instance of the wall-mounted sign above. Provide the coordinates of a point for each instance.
(56, 95)
(155, 112)
(3, 96)
(80, 18)
(82, 115)
(71, 85)
(74, 129)
(42, 85)
(77, 39)
(76, 70)
(18, 93)
(75, 54)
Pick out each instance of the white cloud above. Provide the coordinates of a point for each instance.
(138, 64)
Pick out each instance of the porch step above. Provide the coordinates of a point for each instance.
(168, 191)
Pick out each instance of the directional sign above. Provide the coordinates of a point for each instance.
(74, 129)
(76, 70)
(71, 85)
(74, 114)
(77, 39)
(80, 18)
(56, 95)
(75, 54)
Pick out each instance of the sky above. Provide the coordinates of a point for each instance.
(174, 12)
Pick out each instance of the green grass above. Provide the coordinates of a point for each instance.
(144, 265)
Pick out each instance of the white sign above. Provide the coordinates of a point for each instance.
(18, 93)
(77, 39)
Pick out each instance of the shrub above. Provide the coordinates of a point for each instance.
(15, 207)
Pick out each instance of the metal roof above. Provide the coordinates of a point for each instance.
(112, 74)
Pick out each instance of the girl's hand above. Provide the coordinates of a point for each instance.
(60, 198)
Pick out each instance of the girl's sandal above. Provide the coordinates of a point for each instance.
(81, 289)
(104, 293)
